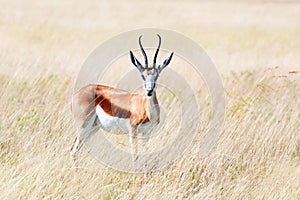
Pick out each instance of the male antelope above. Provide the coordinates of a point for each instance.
(109, 107)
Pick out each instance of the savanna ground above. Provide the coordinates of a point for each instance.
(256, 46)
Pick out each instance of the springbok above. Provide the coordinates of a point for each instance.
(109, 108)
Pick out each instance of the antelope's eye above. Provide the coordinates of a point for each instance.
(143, 77)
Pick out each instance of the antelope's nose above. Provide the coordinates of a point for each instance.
(150, 92)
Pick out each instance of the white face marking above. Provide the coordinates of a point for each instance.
(149, 80)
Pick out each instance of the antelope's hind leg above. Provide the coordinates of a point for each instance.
(84, 131)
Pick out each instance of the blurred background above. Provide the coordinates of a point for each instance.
(59, 35)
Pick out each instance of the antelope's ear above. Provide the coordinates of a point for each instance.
(135, 62)
(165, 63)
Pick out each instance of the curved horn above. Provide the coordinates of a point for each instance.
(155, 56)
(143, 51)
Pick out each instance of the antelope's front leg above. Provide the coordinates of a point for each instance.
(133, 144)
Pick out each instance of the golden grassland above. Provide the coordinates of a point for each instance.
(256, 47)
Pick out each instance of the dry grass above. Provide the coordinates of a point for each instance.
(258, 152)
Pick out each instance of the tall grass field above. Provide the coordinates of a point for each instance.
(255, 46)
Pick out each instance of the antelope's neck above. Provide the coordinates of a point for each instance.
(152, 108)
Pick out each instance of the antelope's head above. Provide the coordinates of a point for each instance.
(149, 73)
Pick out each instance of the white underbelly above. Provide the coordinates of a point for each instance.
(110, 123)
(115, 124)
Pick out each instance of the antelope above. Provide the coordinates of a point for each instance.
(110, 108)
